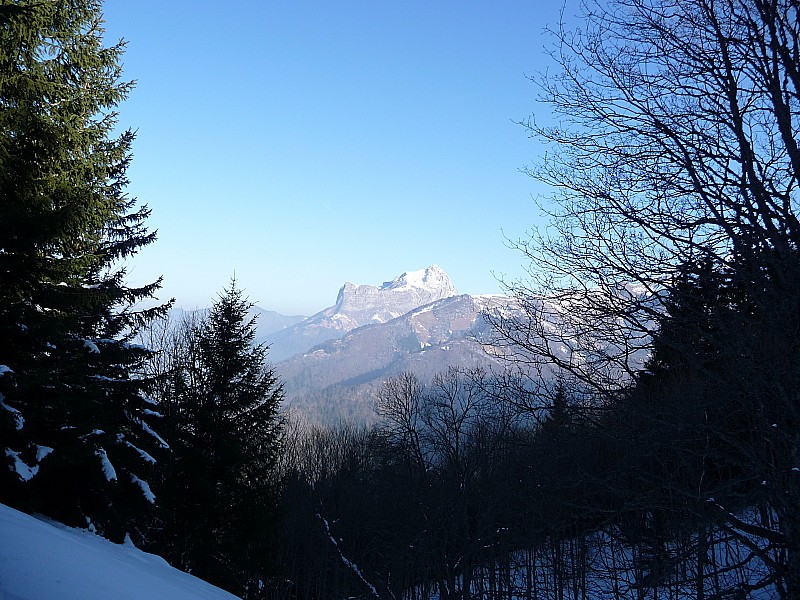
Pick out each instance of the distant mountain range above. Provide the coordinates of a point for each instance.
(332, 363)
(357, 306)
(269, 321)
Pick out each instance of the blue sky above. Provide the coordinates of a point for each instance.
(305, 144)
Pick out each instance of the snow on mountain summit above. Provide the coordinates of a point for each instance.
(432, 279)
(359, 305)
(365, 304)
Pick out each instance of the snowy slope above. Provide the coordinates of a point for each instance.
(39, 561)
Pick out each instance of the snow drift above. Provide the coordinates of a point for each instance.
(43, 561)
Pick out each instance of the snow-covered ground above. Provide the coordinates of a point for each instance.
(44, 561)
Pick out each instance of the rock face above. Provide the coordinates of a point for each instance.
(366, 304)
(360, 305)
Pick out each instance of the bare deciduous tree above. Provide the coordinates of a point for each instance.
(676, 142)
(675, 151)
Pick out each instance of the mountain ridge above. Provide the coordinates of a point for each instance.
(358, 305)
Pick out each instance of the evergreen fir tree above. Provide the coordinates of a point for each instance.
(699, 308)
(74, 437)
(221, 413)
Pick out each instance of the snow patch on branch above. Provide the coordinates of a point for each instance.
(92, 432)
(145, 487)
(108, 468)
(147, 399)
(147, 429)
(19, 420)
(142, 347)
(42, 452)
(145, 455)
(25, 472)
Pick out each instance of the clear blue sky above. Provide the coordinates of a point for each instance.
(305, 144)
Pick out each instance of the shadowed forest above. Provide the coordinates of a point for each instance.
(643, 441)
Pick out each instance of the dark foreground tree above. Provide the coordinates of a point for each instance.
(220, 402)
(676, 152)
(76, 443)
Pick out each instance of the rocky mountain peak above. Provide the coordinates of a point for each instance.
(433, 279)
(378, 304)
(359, 305)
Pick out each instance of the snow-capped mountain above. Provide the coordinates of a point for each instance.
(338, 379)
(360, 305)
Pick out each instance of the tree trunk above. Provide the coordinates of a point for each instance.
(702, 557)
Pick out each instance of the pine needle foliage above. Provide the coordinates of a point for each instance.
(220, 400)
(74, 427)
